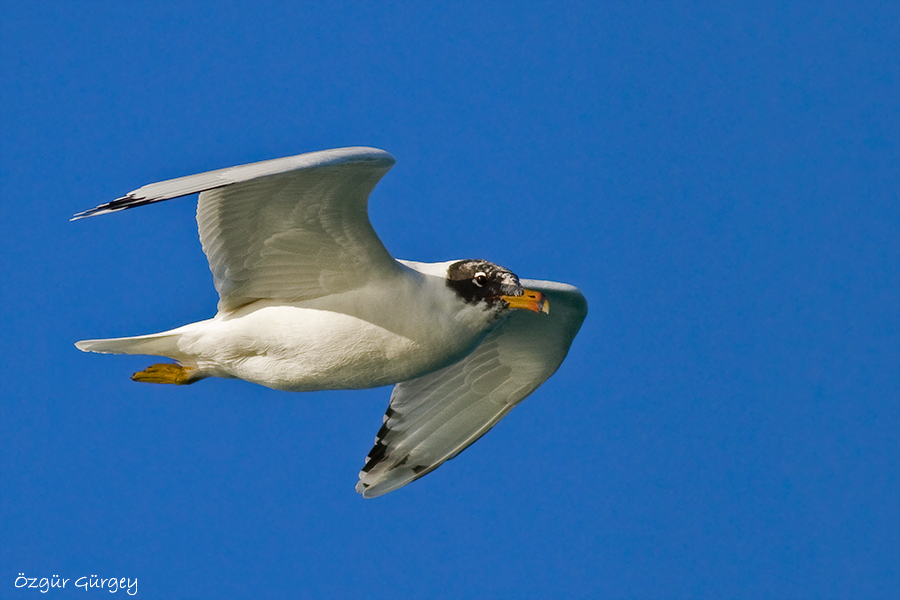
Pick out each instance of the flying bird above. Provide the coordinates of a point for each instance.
(310, 299)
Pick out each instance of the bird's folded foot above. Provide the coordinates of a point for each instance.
(165, 373)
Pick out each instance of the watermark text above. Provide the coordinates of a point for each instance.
(110, 584)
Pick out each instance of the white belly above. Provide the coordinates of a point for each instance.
(303, 349)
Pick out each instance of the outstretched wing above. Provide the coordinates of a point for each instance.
(292, 228)
(433, 418)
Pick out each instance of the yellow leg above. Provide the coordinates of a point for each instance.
(164, 373)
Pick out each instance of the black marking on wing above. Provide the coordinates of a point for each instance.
(380, 451)
(123, 203)
(375, 455)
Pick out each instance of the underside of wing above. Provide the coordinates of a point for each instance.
(294, 236)
(291, 228)
(433, 418)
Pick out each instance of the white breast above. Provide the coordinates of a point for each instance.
(369, 337)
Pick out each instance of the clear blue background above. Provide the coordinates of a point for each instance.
(721, 179)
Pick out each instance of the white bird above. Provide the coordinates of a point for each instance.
(310, 299)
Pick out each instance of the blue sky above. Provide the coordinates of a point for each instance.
(720, 179)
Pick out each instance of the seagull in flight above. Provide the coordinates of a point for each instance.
(310, 299)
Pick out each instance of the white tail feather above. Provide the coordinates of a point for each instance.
(157, 344)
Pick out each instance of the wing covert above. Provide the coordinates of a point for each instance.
(433, 418)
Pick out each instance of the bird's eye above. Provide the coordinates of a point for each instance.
(480, 279)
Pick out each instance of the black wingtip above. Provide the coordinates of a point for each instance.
(123, 203)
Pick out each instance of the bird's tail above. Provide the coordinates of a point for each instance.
(156, 344)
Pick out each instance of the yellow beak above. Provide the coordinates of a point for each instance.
(529, 300)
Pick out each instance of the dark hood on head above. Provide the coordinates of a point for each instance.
(477, 280)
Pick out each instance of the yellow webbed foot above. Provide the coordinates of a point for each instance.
(165, 373)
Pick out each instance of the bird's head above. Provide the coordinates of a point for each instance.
(477, 281)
